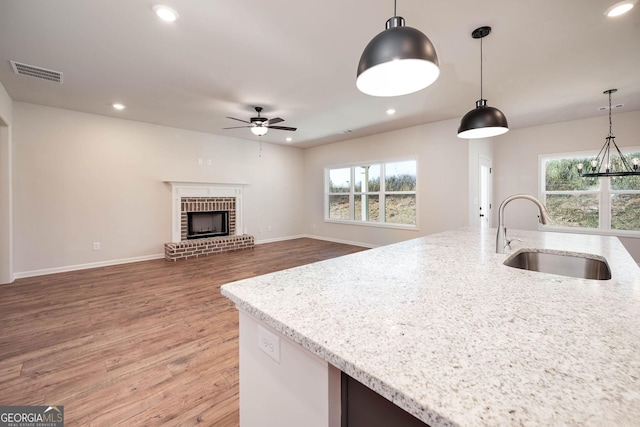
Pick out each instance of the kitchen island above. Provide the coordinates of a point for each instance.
(441, 328)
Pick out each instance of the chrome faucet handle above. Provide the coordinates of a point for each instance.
(509, 242)
(501, 236)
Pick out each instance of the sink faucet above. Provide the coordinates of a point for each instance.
(501, 238)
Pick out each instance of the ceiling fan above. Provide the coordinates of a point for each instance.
(261, 125)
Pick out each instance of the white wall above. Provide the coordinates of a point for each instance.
(6, 105)
(443, 180)
(6, 261)
(516, 154)
(81, 178)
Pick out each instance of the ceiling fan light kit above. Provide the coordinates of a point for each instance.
(259, 130)
(398, 61)
(483, 121)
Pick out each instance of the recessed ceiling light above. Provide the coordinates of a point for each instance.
(391, 111)
(289, 139)
(119, 106)
(165, 13)
(620, 8)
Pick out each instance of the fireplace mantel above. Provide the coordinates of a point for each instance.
(203, 183)
(181, 189)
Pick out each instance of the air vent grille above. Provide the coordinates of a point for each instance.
(37, 72)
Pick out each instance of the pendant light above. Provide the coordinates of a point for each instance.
(602, 166)
(483, 121)
(398, 61)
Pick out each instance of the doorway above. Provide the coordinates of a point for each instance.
(485, 189)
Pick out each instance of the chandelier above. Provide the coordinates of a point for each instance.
(602, 165)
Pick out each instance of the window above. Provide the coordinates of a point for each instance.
(607, 204)
(376, 193)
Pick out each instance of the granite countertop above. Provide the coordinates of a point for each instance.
(439, 326)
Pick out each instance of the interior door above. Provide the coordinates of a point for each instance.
(485, 188)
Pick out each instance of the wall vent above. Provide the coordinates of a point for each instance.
(37, 72)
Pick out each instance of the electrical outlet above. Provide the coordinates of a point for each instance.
(269, 343)
(96, 246)
(208, 162)
(268, 228)
(200, 162)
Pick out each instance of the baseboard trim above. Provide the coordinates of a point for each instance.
(34, 273)
(280, 239)
(345, 242)
(311, 236)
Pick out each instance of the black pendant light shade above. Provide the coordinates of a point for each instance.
(483, 121)
(398, 61)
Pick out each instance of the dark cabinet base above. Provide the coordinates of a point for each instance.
(362, 407)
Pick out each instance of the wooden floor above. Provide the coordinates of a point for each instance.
(144, 344)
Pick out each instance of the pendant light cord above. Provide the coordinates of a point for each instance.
(610, 125)
(394, 8)
(481, 68)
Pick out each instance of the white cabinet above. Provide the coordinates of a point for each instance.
(298, 390)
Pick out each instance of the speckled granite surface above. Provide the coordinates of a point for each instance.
(442, 328)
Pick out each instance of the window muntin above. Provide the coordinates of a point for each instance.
(589, 203)
(378, 193)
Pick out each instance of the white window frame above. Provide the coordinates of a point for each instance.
(604, 192)
(381, 194)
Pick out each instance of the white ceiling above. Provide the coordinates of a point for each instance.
(545, 61)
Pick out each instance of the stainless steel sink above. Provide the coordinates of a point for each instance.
(584, 266)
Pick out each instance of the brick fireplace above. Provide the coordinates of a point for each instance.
(190, 198)
(206, 204)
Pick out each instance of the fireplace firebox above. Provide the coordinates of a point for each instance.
(207, 224)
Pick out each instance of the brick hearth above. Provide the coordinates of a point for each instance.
(204, 247)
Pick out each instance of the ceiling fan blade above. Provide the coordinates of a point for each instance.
(282, 128)
(238, 127)
(275, 120)
(233, 118)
